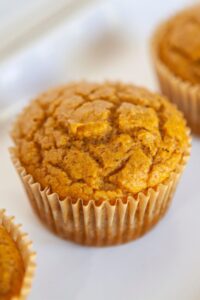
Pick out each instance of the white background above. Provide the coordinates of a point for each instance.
(108, 40)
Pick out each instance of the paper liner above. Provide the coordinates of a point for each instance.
(184, 94)
(24, 246)
(100, 223)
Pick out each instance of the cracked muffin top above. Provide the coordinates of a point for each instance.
(179, 46)
(11, 267)
(100, 141)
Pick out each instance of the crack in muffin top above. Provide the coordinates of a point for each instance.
(100, 141)
(11, 267)
(180, 45)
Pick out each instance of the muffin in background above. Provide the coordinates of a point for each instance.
(100, 162)
(176, 56)
(17, 263)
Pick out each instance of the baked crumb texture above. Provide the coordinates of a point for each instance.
(11, 267)
(100, 141)
(179, 46)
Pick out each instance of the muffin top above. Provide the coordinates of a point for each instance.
(100, 141)
(179, 46)
(11, 267)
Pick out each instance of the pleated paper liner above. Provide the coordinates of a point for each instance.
(100, 223)
(24, 246)
(184, 94)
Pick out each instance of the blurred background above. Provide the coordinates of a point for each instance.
(44, 43)
(47, 42)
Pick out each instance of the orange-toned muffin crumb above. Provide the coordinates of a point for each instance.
(11, 267)
(100, 141)
(180, 45)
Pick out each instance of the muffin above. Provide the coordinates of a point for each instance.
(100, 162)
(16, 261)
(176, 52)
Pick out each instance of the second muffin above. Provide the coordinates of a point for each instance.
(100, 162)
(176, 53)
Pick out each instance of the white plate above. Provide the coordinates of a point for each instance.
(109, 41)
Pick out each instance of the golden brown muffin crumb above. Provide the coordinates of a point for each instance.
(180, 45)
(11, 267)
(100, 141)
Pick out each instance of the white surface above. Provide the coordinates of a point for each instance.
(22, 21)
(107, 42)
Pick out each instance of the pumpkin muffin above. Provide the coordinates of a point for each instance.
(100, 161)
(176, 50)
(11, 266)
(16, 261)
